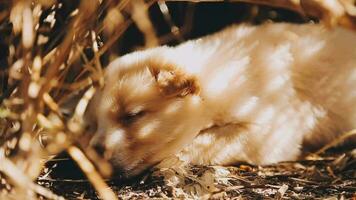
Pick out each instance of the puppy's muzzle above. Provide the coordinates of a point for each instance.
(100, 149)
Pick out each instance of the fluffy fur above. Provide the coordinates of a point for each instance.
(258, 94)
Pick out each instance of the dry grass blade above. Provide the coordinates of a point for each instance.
(75, 124)
(88, 168)
(175, 30)
(140, 16)
(43, 52)
(337, 141)
(20, 179)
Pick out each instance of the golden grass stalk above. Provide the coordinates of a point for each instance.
(94, 177)
(34, 127)
(23, 182)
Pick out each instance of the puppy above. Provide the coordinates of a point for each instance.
(259, 94)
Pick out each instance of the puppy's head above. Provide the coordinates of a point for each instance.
(148, 110)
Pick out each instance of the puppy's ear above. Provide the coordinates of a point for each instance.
(173, 82)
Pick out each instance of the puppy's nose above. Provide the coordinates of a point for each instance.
(99, 148)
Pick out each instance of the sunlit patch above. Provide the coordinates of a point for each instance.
(317, 114)
(193, 65)
(277, 83)
(282, 136)
(247, 107)
(148, 129)
(314, 46)
(204, 140)
(243, 31)
(266, 115)
(281, 57)
(173, 107)
(224, 77)
(196, 100)
(310, 121)
(228, 153)
(352, 77)
(114, 138)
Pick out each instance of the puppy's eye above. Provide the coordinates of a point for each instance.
(130, 117)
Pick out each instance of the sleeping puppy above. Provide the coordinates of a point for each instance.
(259, 94)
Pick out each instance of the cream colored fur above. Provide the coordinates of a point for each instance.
(258, 94)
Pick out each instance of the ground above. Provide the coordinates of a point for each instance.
(330, 176)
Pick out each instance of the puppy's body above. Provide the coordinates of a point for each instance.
(254, 94)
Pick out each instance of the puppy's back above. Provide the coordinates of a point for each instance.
(307, 66)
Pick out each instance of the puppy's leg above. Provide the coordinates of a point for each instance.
(232, 143)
